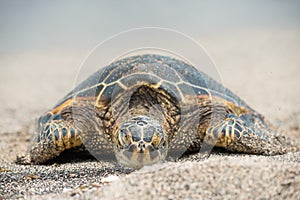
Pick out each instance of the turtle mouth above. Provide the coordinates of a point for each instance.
(139, 154)
(141, 151)
(140, 141)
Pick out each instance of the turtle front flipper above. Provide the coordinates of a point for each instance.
(53, 137)
(246, 134)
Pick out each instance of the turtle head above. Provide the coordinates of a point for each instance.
(141, 141)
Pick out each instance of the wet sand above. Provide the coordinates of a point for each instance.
(262, 69)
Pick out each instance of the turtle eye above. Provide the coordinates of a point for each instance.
(157, 140)
(125, 137)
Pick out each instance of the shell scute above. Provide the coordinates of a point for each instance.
(160, 71)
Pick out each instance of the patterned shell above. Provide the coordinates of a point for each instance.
(179, 79)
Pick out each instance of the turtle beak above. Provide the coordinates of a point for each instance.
(139, 154)
(139, 147)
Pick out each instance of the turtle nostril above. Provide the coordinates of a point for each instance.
(142, 145)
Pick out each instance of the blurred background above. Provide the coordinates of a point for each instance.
(255, 45)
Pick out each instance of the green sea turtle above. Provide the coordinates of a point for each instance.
(143, 107)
